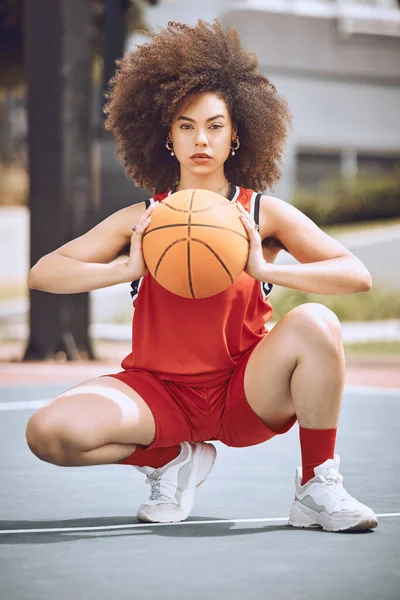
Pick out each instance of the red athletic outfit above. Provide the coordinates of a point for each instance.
(189, 356)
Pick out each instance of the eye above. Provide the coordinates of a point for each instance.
(216, 126)
(185, 126)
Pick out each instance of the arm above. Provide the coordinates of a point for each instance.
(84, 263)
(326, 266)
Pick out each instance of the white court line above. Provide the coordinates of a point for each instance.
(147, 525)
(22, 405)
(353, 389)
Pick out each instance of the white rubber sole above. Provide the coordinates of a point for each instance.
(301, 516)
(203, 460)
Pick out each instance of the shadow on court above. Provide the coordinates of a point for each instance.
(72, 532)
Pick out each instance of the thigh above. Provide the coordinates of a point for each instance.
(167, 404)
(268, 373)
(96, 412)
(308, 328)
(242, 424)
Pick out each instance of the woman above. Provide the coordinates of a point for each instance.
(190, 109)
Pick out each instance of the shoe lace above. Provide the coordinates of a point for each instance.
(154, 480)
(335, 483)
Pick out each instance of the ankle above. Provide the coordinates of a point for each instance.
(317, 446)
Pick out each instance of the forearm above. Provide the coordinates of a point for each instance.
(60, 274)
(336, 276)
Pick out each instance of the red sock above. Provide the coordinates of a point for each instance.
(317, 445)
(151, 458)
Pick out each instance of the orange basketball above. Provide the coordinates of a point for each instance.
(196, 246)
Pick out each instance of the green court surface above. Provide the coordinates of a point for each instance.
(72, 532)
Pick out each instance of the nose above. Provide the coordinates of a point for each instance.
(201, 138)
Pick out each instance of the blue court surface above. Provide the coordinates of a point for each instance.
(71, 533)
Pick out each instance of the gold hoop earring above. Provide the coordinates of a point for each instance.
(237, 142)
(169, 141)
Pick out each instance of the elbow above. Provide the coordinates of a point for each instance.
(35, 276)
(32, 279)
(361, 276)
(365, 283)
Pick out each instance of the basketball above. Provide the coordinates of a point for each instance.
(196, 245)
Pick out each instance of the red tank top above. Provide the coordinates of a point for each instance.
(198, 341)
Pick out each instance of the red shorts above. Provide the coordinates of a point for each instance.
(197, 413)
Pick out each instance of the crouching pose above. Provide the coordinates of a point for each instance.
(190, 109)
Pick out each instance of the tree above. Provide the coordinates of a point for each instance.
(59, 132)
(12, 34)
(59, 43)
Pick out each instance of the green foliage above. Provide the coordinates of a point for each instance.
(374, 348)
(377, 304)
(366, 306)
(366, 198)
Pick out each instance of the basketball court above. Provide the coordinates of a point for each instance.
(72, 532)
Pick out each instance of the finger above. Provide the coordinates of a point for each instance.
(246, 223)
(144, 218)
(246, 218)
(246, 214)
(150, 209)
(242, 209)
(141, 226)
(251, 227)
(146, 213)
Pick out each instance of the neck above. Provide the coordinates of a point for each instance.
(211, 182)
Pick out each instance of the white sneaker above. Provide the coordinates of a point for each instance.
(173, 486)
(324, 502)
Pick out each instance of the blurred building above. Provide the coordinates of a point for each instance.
(338, 64)
(336, 61)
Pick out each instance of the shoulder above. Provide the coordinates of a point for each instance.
(131, 214)
(119, 224)
(136, 210)
(263, 209)
(296, 232)
(273, 212)
(278, 215)
(128, 216)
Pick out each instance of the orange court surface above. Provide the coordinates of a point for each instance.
(372, 371)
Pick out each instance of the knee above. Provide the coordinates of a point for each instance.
(44, 439)
(316, 321)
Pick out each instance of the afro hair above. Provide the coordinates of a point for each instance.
(154, 80)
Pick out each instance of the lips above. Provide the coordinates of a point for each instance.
(201, 155)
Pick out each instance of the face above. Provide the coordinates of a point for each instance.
(202, 126)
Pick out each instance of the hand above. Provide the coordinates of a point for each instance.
(256, 264)
(135, 265)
